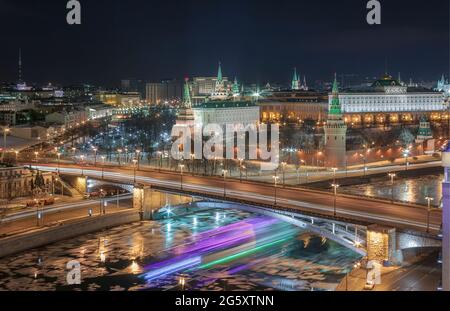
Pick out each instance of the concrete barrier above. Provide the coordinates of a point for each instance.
(29, 240)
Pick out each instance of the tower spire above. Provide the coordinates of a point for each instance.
(187, 102)
(295, 80)
(335, 107)
(219, 73)
(20, 65)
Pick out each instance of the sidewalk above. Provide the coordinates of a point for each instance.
(418, 273)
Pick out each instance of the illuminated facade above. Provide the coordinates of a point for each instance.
(294, 107)
(226, 112)
(131, 99)
(335, 132)
(388, 101)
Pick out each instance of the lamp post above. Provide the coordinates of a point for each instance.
(95, 156)
(335, 187)
(429, 199)
(134, 169)
(119, 152)
(59, 160)
(161, 160)
(283, 167)
(306, 170)
(365, 163)
(36, 156)
(181, 175)
(224, 172)
(103, 166)
(138, 156)
(62, 190)
(275, 180)
(406, 155)
(6, 131)
(392, 176)
(334, 174)
(17, 155)
(240, 169)
(82, 164)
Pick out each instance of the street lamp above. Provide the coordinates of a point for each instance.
(275, 180)
(429, 199)
(160, 156)
(334, 174)
(103, 166)
(335, 187)
(126, 155)
(134, 169)
(240, 169)
(82, 164)
(95, 156)
(392, 176)
(306, 170)
(59, 160)
(224, 172)
(406, 155)
(6, 131)
(365, 163)
(181, 175)
(36, 156)
(283, 166)
(119, 155)
(138, 156)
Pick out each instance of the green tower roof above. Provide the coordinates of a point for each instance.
(187, 102)
(335, 107)
(219, 73)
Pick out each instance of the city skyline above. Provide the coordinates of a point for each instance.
(257, 42)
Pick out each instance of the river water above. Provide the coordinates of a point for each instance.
(213, 249)
(412, 189)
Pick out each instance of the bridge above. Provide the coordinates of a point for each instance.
(372, 241)
(310, 202)
(378, 235)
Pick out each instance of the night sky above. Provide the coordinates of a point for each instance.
(258, 41)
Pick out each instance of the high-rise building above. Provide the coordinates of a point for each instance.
(153, 93)
(133, 85)
(335, 132)
(166, 90)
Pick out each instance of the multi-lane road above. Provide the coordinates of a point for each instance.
(27, 219)
(317, 202)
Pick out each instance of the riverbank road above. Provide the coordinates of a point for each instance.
(28, 219)
(420, 272)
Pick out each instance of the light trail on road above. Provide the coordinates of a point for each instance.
(396, 215)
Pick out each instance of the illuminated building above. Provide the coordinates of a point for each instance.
(223, 108)
(335, 132)
(221, 92)
(390, 102)
(19, 182)
(226, 112)
(164, 91)
(443, 86)
(293, 106)
(130, 99)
